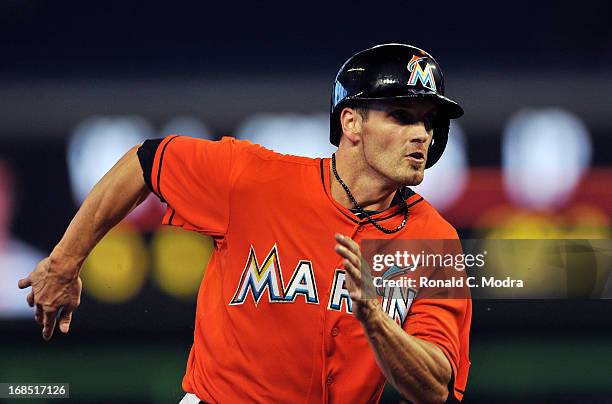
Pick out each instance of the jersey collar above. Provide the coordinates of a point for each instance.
(385, 214)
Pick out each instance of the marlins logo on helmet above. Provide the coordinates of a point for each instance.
(425, 76)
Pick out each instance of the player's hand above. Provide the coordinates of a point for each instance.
(53, 294)
(358, 278)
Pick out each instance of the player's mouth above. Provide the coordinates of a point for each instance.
(417, 157)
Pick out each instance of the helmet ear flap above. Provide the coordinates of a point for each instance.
(438, 142)
(334, 129)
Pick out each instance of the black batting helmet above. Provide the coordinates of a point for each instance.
(393, 71)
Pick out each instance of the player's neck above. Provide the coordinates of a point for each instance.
(368, 188)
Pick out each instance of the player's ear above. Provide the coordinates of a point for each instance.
(351, 122)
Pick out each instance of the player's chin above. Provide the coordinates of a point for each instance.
(412, 178)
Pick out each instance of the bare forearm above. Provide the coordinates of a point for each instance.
(417, 368)
(111, 199)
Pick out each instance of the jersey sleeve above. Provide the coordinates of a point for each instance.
(194, 178)
(445, 323)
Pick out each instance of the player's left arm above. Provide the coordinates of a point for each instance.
(418, 369)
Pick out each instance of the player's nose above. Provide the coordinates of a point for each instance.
(419, 133)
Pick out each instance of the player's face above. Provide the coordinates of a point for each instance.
(396, 137)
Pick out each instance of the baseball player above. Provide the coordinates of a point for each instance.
(279, 314)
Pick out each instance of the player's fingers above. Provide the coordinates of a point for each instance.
(353, 245)
(342, 251)
(24, 283)
(349, 255)
(49, 318)
(355, 294)
(351, 285)
(345, 241)
(353, 272)
(30, 299)
(38, 314)
(348, 243)
(367, 281)
(342, 239)
(65, 319)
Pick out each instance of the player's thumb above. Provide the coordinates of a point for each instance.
(64, 321)
(24, 283)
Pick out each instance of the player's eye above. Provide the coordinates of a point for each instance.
(429, 121)
(403, 117)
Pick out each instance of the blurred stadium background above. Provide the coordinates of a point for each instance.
(81, 83)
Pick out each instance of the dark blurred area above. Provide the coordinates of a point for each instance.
(43, 40)
(81, 83)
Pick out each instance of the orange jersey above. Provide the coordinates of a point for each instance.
(273, 320)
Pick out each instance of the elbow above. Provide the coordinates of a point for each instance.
(434, 395)
(433, 392)
(438, 386)
(428, 380)
(440, 389)
(440, 395)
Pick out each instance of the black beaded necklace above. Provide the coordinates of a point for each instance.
(363, 211)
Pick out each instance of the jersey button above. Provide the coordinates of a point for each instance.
(330, 380)
(335, 331)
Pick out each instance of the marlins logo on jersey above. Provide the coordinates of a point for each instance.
(258, 278)
(419, 74)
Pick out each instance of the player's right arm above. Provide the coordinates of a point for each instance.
(56, 284)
